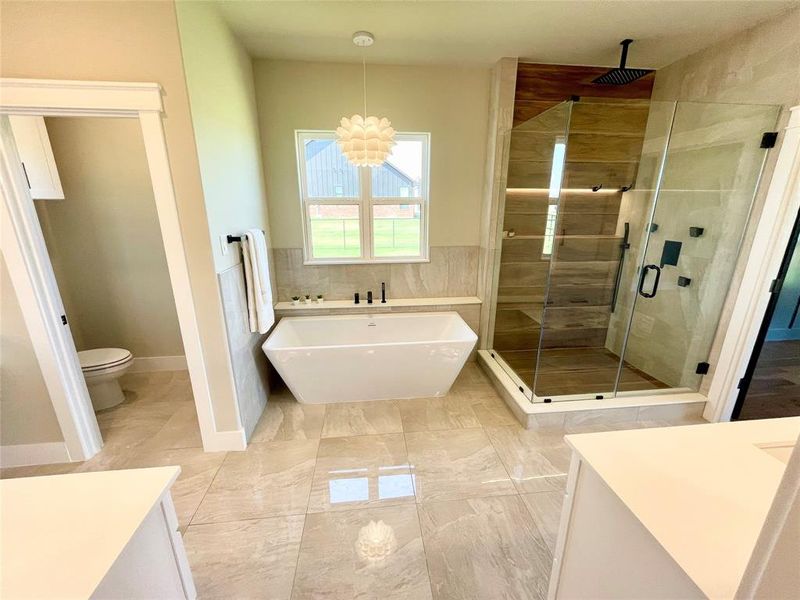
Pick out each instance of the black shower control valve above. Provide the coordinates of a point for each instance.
(696, 231)
(671, 253)
(684, 281)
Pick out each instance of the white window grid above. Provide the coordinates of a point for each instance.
(365, 202)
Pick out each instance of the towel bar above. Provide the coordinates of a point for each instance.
(236, 238)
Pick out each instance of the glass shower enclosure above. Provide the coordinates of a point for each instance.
(621, 229)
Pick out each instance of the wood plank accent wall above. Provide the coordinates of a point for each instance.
(604, 146)
(540, 87)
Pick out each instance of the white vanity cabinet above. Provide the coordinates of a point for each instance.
(110, 534)
(668, 513)
(36, 155)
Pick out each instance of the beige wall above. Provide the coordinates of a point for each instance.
(104, 239)
(133, 41)
(26, 414)
(219, 75)
(760, 65)
(451, 103)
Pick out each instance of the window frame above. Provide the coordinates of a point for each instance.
(365, 202)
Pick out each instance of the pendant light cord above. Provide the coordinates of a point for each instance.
(364, 71)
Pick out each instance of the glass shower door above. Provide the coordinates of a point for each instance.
(537, 156)
(690, 244)
(587, 249)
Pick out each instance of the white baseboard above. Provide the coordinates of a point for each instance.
(25, 455)
(147, 364)
(226, 441)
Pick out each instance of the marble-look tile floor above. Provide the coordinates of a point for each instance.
(441, 498)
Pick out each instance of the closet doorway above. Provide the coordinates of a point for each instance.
(31, 271)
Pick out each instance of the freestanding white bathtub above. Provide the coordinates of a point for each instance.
(350, 358)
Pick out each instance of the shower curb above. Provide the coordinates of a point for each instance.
(674, 408)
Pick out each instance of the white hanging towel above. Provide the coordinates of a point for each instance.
(256, 276)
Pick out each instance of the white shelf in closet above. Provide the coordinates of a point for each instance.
(36, 155)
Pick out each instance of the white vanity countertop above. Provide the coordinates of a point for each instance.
(60, 535)
(703, 491)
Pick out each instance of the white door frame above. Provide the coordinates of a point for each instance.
(29, 264)
(769, 245)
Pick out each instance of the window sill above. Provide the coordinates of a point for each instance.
(374, 261)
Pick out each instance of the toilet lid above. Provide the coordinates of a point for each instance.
(102, 358)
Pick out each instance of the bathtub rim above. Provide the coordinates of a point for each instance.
(471, 336)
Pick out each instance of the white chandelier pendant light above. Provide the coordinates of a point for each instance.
(365, 141)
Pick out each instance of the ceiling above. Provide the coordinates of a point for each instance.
(480, 32)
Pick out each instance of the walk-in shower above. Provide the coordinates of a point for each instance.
(621, 228)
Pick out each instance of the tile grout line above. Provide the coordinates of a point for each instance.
(416, 507)
(497, 454)
(424, 549)
(247, 519)
(308, 501)
(213, 479)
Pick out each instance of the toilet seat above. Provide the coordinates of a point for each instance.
(101, 359)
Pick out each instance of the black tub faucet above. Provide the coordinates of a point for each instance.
(369, 297)
(383, 292)
(356, 299)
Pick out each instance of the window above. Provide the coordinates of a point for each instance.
(353, 214)
(550, 230)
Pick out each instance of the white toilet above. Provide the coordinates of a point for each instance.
(102, 368)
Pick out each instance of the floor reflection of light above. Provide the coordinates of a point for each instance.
(376, 541)
(348, 490)
(340, 471)
(395, 486)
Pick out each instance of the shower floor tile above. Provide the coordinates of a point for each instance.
(566, 371)
(462, 491)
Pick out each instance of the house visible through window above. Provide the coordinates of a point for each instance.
(550, 230)
(363, 214)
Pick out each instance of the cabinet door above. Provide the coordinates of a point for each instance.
(36, 154)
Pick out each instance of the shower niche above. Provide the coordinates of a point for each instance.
(621, 227)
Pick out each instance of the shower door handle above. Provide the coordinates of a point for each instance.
(645, 271)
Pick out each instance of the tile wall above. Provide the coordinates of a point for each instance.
(248, 361)
(452, 271)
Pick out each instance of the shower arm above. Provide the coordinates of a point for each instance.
(624, 58)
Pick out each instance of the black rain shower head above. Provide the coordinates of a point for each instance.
(621, 75)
